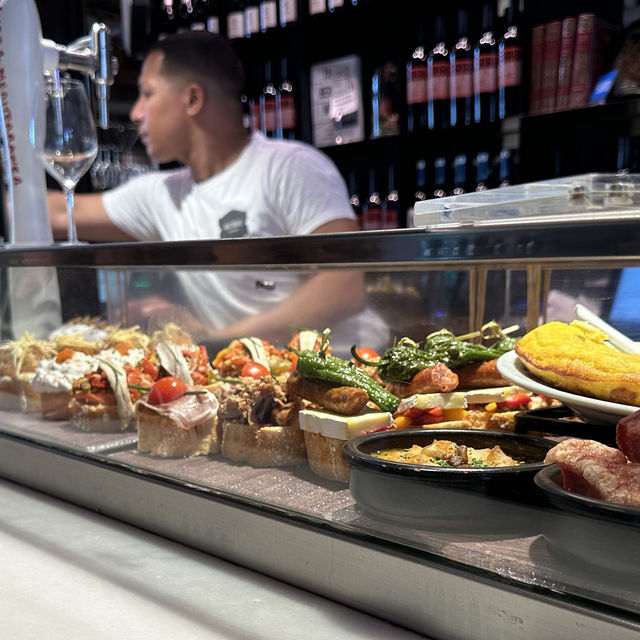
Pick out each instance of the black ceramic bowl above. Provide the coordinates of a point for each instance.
(420, 494)
(549, 481)
(587, 531)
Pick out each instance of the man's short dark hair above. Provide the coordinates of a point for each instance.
(205, 57)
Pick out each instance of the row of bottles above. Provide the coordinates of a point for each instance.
(270, 104)
(375, 198)
(459, 79)
(244, 18)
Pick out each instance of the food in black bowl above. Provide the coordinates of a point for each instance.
(440, 494)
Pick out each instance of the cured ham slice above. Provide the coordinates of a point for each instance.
(628, 436)
(597, 471)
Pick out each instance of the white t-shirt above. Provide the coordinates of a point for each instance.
(274, 188)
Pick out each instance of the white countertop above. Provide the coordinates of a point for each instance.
(67, 572)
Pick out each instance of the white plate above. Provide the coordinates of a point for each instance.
(589, 409)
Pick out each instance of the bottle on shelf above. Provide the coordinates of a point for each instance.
(168, 17)
(439, 177)
(417, 86)
(421, 190)
(286, 110)
(485, 69)
(187, 13)
(390, 212)
(268, 120)
(288, 12)
(483, 171)
(317, 7)
(212, 23)
(459, 174)
(385, 107)
(461, 70)
(335, 5)
(268, 15)
(235, 20)
(438, 105)
(251, 18)
(354, 196)
(505, 161)
(510, 89)
(372, 207)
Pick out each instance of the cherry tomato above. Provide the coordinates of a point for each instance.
(166, 390)
(254, 370)
(367, 354)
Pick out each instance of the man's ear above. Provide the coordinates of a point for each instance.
(195, 98)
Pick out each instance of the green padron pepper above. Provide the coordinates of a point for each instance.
(317, 364)
(402, 361)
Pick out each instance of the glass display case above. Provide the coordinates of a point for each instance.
(474, 565)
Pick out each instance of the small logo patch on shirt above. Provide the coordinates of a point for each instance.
(234, 225)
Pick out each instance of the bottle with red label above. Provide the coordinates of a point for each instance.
(438, 104)
(268, 121)
(510, 67)
(286, 113)
(461, 74)
(372, 208)
(417, 86)
(485, 70)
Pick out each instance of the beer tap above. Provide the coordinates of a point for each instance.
(90, 55)
(26, 58)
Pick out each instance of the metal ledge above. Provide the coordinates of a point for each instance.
(430, 598)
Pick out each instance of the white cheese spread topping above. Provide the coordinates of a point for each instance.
(52, 376)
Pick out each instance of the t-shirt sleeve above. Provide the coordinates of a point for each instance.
(309, 191)
(131, 206)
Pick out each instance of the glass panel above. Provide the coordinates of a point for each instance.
(503, 538)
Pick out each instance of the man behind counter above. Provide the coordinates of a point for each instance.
(232, 185)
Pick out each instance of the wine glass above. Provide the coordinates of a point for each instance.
(67, 142)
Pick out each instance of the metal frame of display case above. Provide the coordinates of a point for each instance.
(427, 592)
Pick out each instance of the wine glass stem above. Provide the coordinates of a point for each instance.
(72, 235)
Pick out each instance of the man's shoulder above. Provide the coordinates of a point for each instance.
(284, 148)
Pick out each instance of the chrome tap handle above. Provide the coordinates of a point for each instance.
(90, 55)
(106, 66)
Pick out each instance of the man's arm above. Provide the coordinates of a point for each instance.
(323, 300)
(92, 221)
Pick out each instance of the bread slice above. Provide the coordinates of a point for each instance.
(97, 417)
(161, 436)
(56, 405)
(325, 456)
(266, 446)
(16, 393)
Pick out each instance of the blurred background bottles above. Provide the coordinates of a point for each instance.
(510, 90)
(416, 97)
(438, 73)
(485, 69)
(385, 100)
(461, 70)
